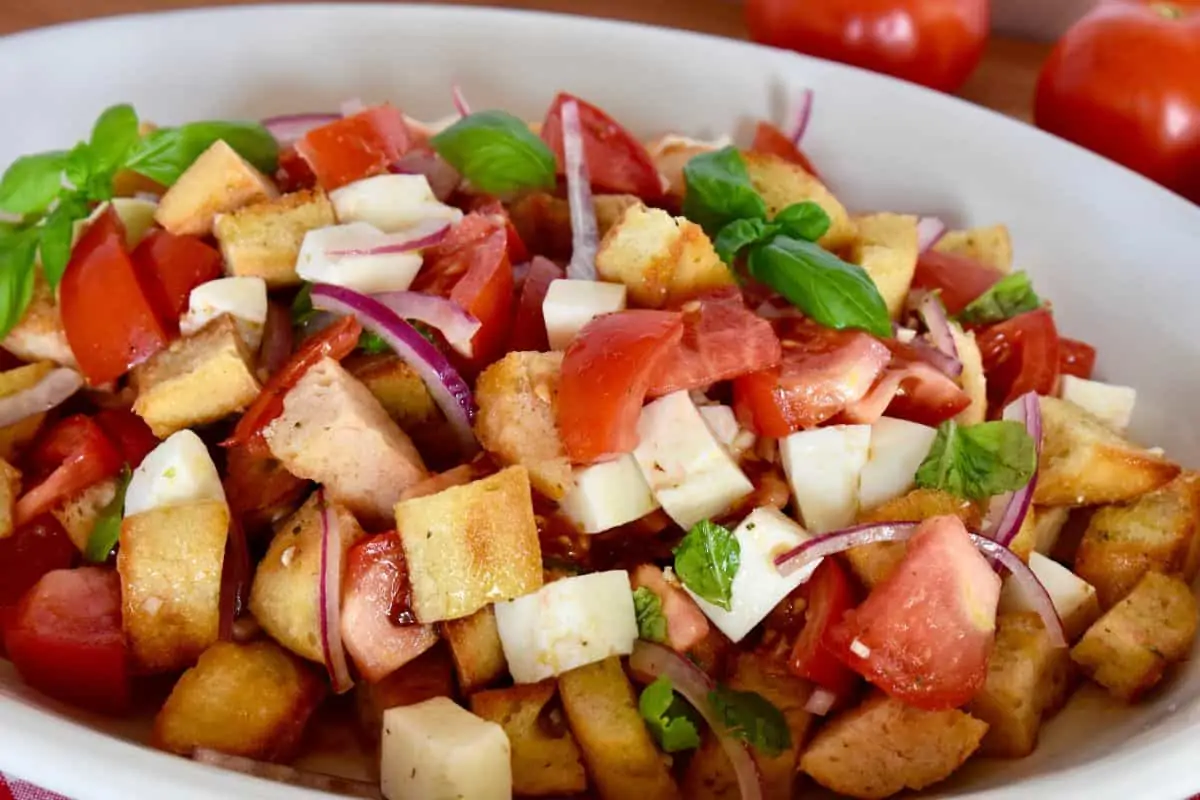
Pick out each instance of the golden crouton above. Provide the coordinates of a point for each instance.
(1154, 533)
(197, 380)
(249, 700)
(544, 221)
(217, 182)
(972, 379)
(516, 420)
(659, 258)
(874, 562)
(991, 246)
(284, 595)
(1028, 677)
(1024, 541)
(1084, 462)
(886, 247)
(10, 487)
(15, 436)
(78, 513)
(545, 757)
(474, 643)
(671, 154)
(782, 183)
(884, 746)
(170, 564)
(1127, 650)
(39, 335)
(621, 757)
(262, 240)
(427, 676)
(406, 399)
(471, 545)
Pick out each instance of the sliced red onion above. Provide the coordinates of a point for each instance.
(424, 234)
(353, 106)
(803, 115)
(236, 572)
(1006, 512)
(933, 314)
(943, 363)
(449, 390)
(51, 391)
(290, 775)
(443, 178)
(329, 600)
(447, 316)
(1028, 583)
(929, 231)
(820, 701)
(649, 661)
(290, 128)
(585, 234)
(460, 101)
(278, 336)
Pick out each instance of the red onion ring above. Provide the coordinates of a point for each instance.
(460, 101)
(803, 115)
(933, 314)
(290, 128)
(330, 598)
(422, 235)
(51, 391)
(447, 316)
(929, 231)
(943, 363)
(820, 701)
(285, 774)
(585, 235)
(1006, 512)
(443, 178)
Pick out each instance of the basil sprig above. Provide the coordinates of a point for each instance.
(497, 153)
(671, 721)
(106, 530)
(1011, 295)
(752, 718)
(979, 461)
(647, 607)
(706, 560)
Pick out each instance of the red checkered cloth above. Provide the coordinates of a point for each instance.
(13, 789)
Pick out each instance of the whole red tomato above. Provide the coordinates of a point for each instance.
(932, 42)
(1125, 82)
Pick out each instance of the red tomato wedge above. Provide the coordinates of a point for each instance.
(80, 455)
(829, 594)
(1075, 358)
(293, 174)
(686, 623)
(169, 267)
(721, 340)
(126, 430)
(355, 147)
(605, 374)
(1020, 355)
(960, 279)
(912, 389)
(529, 325)
(616, 161)
(259, 488)
(770, 140)
(29, 553)
(376, 580)
(518, 253)
(67, 640)
(924, 635)
(109, 319)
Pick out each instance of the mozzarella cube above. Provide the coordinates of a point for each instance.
(691, 475)
(320, 262)
(724, 425)
(823, 467)
(1112, 404)
(437, 750)
(1074, 599)
(177, 472)
(897, 449)
(567, 624)
(244, 299)
(390, 203)
(571, 304)
(607, 495)
(757, 586)
(905, 335)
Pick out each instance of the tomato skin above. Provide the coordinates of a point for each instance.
(606, 371)
(355, 147)
(686, 624)
(110, 322)
(932, 42)
(830, 594)
(31, 551)
(1019, 355)
(958, 279)
(169, 267)
(616, 161)
(293, 174)
(770, 140)
(80, 455)
(129, 432)
(259, 488)
(1122, 82)
(1075, 358)
(910, 389)
(529, 325)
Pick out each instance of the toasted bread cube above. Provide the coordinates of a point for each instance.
(972, 379)
(1049, 522)
(886, 247)
(475, 648)
(170, 564)
(14, 437)
(249, 700)
(991, 245)
(782, 183)
(284, 595)
(884, 746)
(671, 153)
(471, 545)
(872, 563)
(1027, 677)
(217, 182)
(262, 240)
(197, 380)
(621, 757)
(1157, 532)
(428, 676)
(39, 335)
(545, 759)
(10, 487)
(1127, 650)
(78, 513)
(333, 431)
(544, 221)
(1084, 462)
(1024, 541)
(406, 399)
(517, 396)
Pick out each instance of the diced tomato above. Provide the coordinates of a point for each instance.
(822, 372)
(67, 640)
(1020, 355)
(960, 279)
(1075, 358)
(529, 326)
(925, 633)
(109, 319)
(686, 623)
(128, 432)
(769, 139)
(616, 161)
(259, 488)
(605, 374)
(25, 556)
(355, 147)
(376, 582)
(912, 389)
(80, 455)
(721, 340)
(170, 266)
(293, 174)
(829, 594)
(236, 574)
(518, 253)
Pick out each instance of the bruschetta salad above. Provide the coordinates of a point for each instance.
(568, 464)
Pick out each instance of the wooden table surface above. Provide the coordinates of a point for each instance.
(1004, 80)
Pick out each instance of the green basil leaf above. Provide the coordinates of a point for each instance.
(719, 191)
(164, 154)
(30, 185)
(807, 221)
(707, 559)
(979, 461)
(17, 255)
(58, 230)
(302, 306)
(106, 530)
(497, 153)
(372, 343)
(670, 720)
(740, 234)
(752, 718)
(1011, 295)
(79, 166)
(114, 133)
(647, 607)
(834, 293)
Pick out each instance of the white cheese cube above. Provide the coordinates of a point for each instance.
(607, 495)
(1048, 522)
(571, 304)
(1070, 594)
(567, 624)
(691, 475)
(390, 203)
(244, 299)
(320, 262)
(1112, 404)
(757, 586)
(905, 335)
(178, 471)
(823, 467)
(437, 750)
(724, 425)
(897, 448)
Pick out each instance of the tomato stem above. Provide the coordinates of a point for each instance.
(1167, 10)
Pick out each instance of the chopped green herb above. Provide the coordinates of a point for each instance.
(807, 221)
(106, 530)
(302, 306)
(670, 720)
(497, 153)
(30, 185)
(166, 153)
(1011, 295)
(706, 560)
(372, 343)
(979, 461)
(752, 718)
(719, 191)
(18, 251)
(652, 625)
